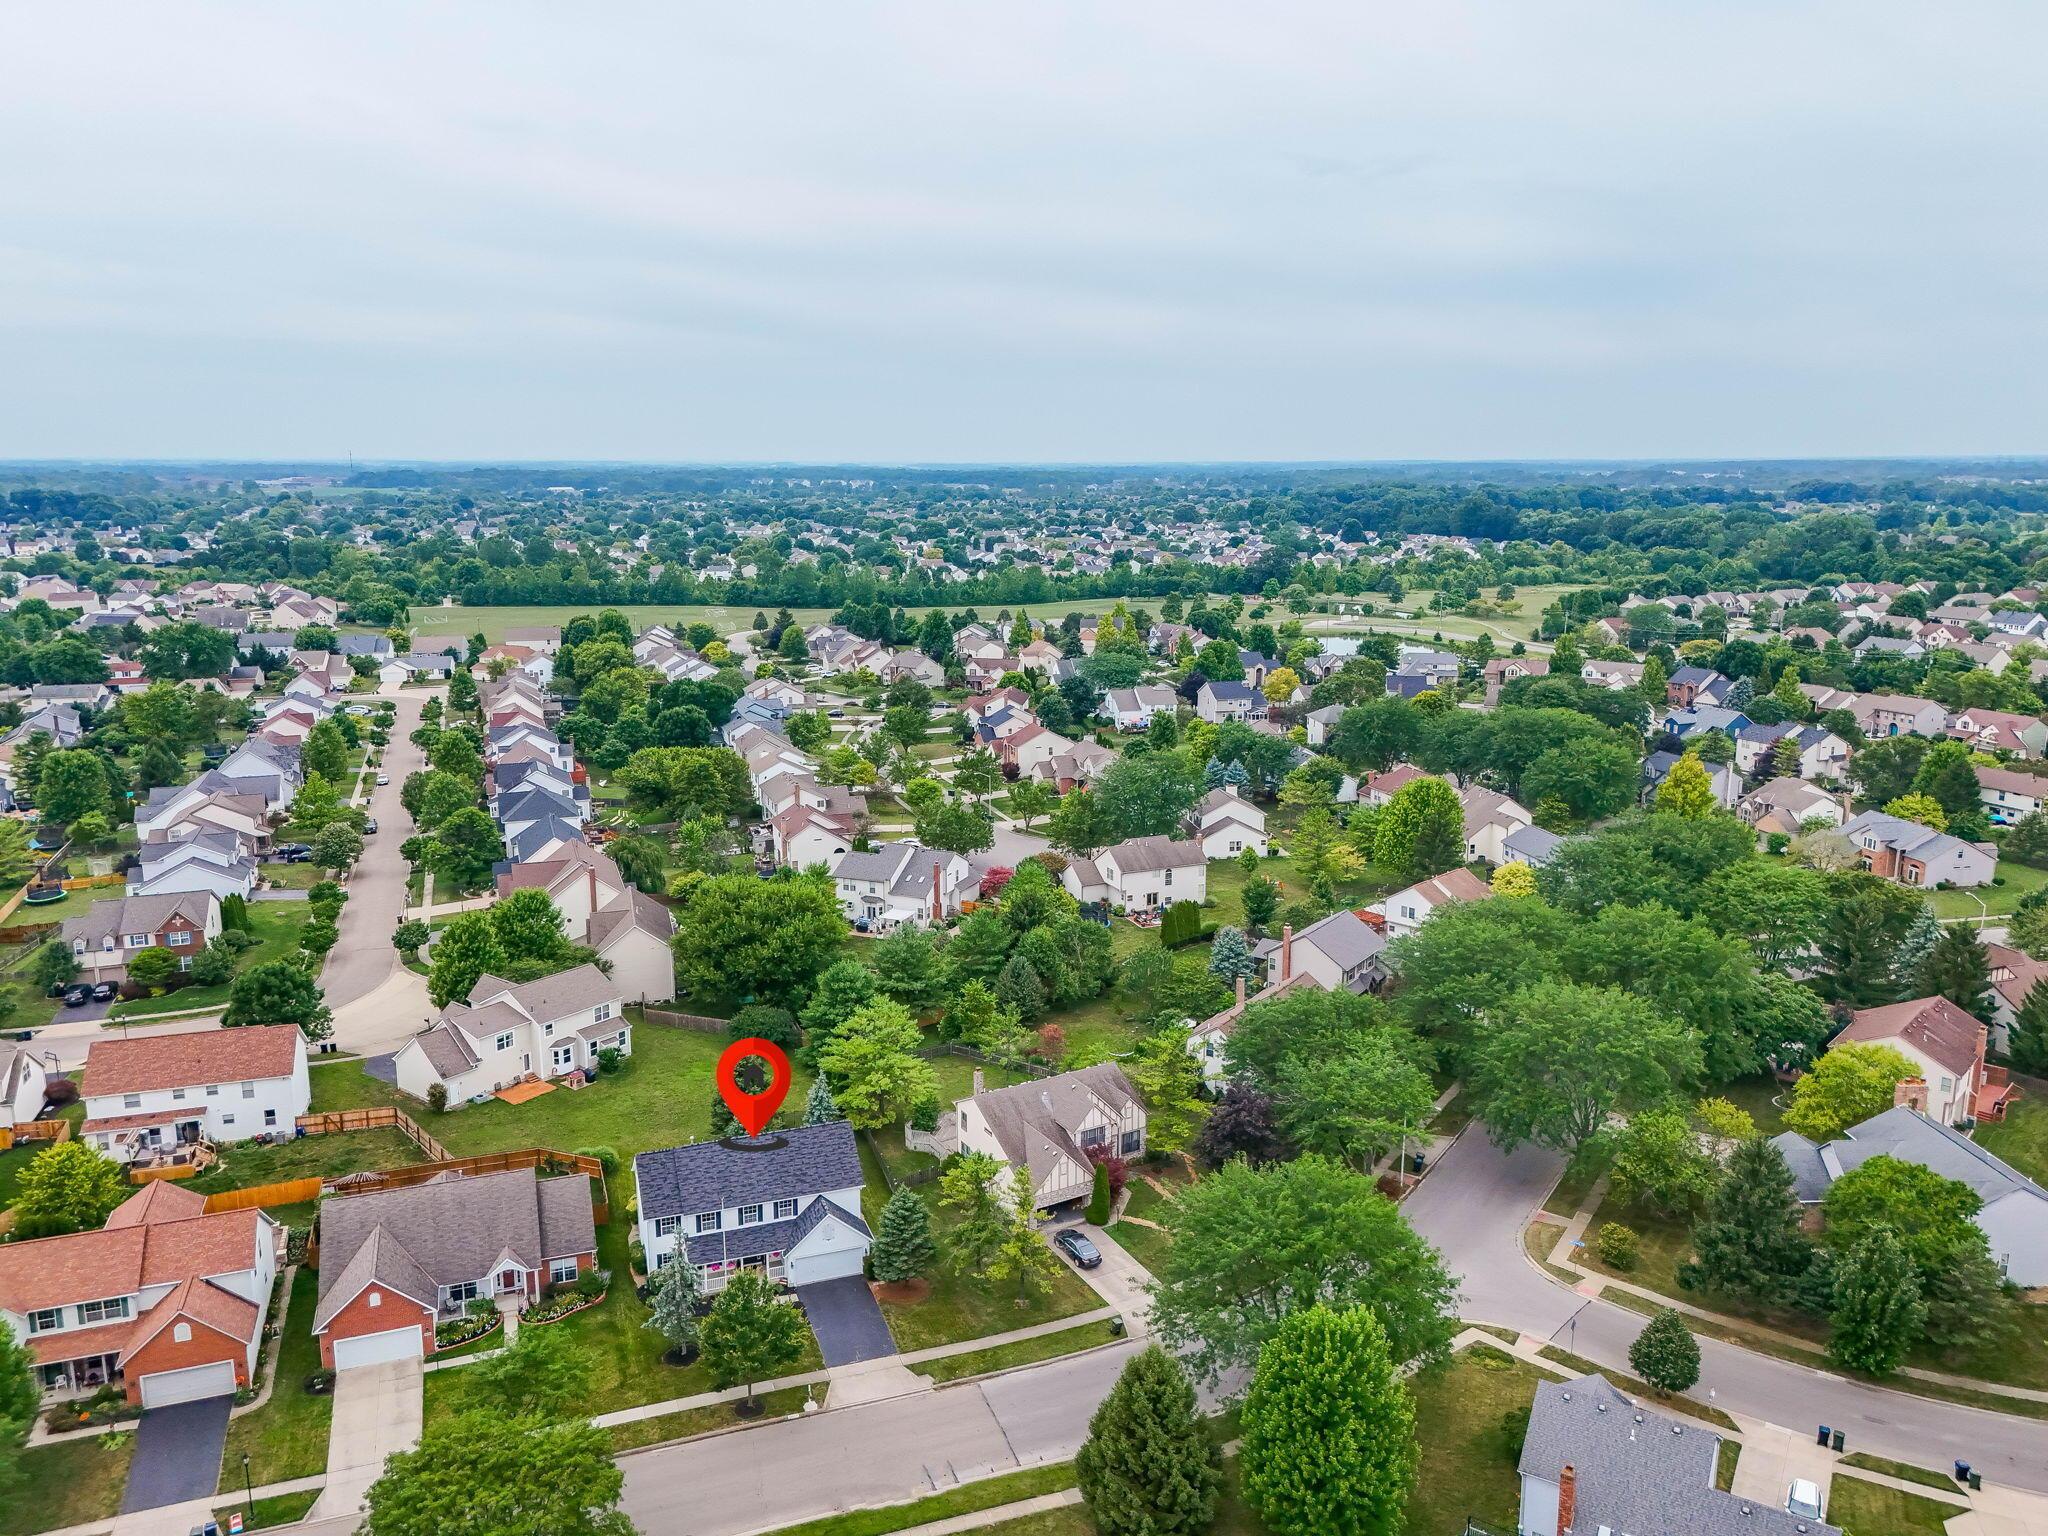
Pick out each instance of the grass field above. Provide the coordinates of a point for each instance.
(72, 1482)
(1522, 616)
(287, 1436)
(2021, 1138)
(14, 1159)
(661, 1099)
(1863, 1508)
(2019, 881)
(244, 1165)
(1046, 1346)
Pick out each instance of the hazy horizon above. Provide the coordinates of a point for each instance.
(916, 234)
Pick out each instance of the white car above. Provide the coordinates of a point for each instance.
(1803, 1500)
(383, 778)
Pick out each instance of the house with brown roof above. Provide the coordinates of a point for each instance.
(396, 1264)
(150, 1092)
(1946, 1046)
(1406, 911)
(108, 934)
(625, 926)
(1144, 873)
(506, 1033)
(2008, 795)
(1050, 1126)
(164, 1301)
(1379, 788)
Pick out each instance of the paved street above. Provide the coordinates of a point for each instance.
(363, 962)
(1473, 1207)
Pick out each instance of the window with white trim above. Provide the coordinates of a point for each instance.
(503, 1042)
(665, 1226)
(710, 1221)
(178, 938)
(784, 1209)
(131, 1101)
(563, 1271)
(47, 1320)
(750, 1215)
(112, 1309)
(248, 1090)
(603, 1012)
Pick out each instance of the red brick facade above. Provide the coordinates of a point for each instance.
(166, 1352)
(392, 1312)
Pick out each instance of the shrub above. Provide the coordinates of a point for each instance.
(611, 1059)
(607, 1157)
(1182, 924)
(437, 1098)
(1618, 1246)
(239, 940)
(591, 1283)
(326, 892)
(1052, 1043)
(777, 1026)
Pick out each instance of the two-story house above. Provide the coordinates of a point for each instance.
(1217, 702)
(1947, 1047)
(507, 1032)
(896, 883)
(1891, 714)
(164, 1301)
(1407, 910)
(1893, 848)
(154, 1091)
(214, 862)
(1132, 709)
(2007, 795)
(786, 1205)
(1225, 824)
(24, 1084)
(1140, 874)
(397, 1262)
(1341, 952)
(1997, 730)
(1049, 1126)
(108, 934)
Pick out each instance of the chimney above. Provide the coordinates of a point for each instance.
(1981, 1075)
(1240, 991)
(938, 895)
(1910, 1093)
(1286, 951)
(977, 1082)
(1567, 1498)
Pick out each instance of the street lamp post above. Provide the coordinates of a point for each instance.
(248, 1493)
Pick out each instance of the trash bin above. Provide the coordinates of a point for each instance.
(1976, 1482)
(1822, 1437)
(1962, 1471)
(1415, 1161)
(1116, 1325)
(1838, 1440)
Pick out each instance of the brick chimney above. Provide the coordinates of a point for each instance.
(1910, 1093)
(1240, 991)
(1981, 1074)
(1286, 951)
(1567, 1498)
(977, 1082)
(938, 894)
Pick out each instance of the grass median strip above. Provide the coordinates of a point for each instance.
(1904, 1471)
(1643, 1389)
(702, 1421)
(1046, 1346)
(967, 1499)
(283, 1509)
(1865, 1507)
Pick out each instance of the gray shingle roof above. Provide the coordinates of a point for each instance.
(710, 1176)
(1143, 854)
(1638, 1471)
(766, 1237)
(1034, 1122)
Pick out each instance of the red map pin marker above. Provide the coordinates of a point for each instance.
(753, 1110)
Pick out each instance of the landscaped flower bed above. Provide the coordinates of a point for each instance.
(464, 1330)
(106, 1406)
(589, 1289)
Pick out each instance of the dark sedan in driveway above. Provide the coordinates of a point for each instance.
(1076, 1247)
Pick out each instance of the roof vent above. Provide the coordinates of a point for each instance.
(1678, 1429)
(1639, 1418)
(1600, 1408)
(1567, 1397)
(1745, 1509)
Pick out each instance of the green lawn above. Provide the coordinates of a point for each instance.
(71, 1482)
(2021, 1138)
(1905, 1471)
(284, 1509)
(14, 1159)
(702, 1421)
(2018, 880)
(244, 1165)
(1758, 1095)
(1863, 1508)
(293, 877)
(1047, 1346)
(287, 1436)
(276, 925)
(1468, 1463)
(625, 1356)
(1148, 1245)
(662, 1099)
(75, 904)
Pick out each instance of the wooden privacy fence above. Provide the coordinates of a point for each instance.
(703, 1023)
(35, 1130)
(383, 1117)
(289, 1192)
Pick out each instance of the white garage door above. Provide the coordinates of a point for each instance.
(371, 1348)
(189, 1385)
(813, 1267)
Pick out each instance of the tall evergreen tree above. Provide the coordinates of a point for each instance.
(2027, 1039)
(819, 1105)
(674, 1306)
(1749, 1242)
(1230, 956)
(903, 1239)
(1959, 969)
(1149, 1467)
(1877, 1313)
(1329, 1429)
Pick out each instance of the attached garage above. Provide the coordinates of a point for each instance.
(833, 1264)
(164, 1388)
(375, 1348)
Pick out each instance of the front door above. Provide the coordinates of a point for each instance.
(511, 1281)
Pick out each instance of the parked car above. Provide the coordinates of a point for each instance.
(369, 825)
(1076, 1247)
(383, 778)
(297, 856)
(286, 850)
(77, 995)
(105, 992)
(1803, 1499)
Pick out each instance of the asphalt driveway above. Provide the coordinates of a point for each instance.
(847, 1320)
(177, 1454)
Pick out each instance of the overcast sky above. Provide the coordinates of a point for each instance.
(1023, 231)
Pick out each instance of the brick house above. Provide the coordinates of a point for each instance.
(106, 936)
